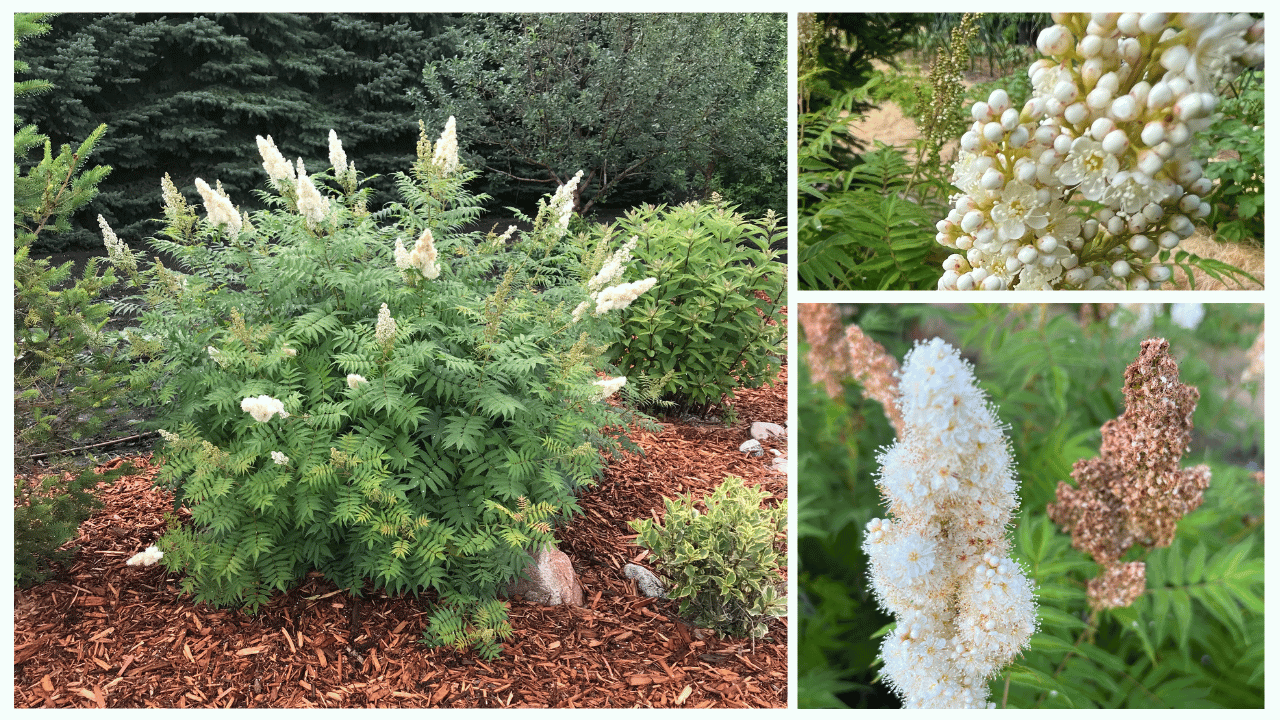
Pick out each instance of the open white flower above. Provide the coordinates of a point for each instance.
(1089, 167)
(1017, 209)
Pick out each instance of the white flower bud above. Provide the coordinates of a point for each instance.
(1137, 282)
(1201, 187)
(1137, 223)
(1128, 23)
(1098, 99)
(1009, 119)
(1190, 107)
(965, 282)
(1019, 137)
(1204, 210)
(1182, 225)
(1165, 150)
(1024, 170)
(972, 219)
(1160, 97)
(981, 112)
(1153, 211)
(1158, 273)
(1101, 127)
(1139, 243)
(1139, 93)
(1130, 50)
(1053, 107)
(1153, 22)
(1078, 276)
(1012, 265)
(1055, 40)
(1089, 46)
(1150, 162)
(1179, 135)
(1123, 109)
(1062, 144)
(1153, 133)
(970, 141)
(1047, 244)
(1175, 58)
(1066, 92)
(1116, 142)
(993, 132)
(1169, 240)
(1045, 134)
(998, 101)
(1075, 113)
(1109, 82)
(992, 180)
(1028, 255)
(1116, 225)
(1089, 230)
(1120, 269)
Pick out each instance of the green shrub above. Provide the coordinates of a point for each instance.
(721, 563)
(66, 369)
(712, 324)
(1234, 146)
(46, 515)
(331, 400)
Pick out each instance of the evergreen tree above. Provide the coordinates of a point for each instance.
(187, 94)
(646, 104)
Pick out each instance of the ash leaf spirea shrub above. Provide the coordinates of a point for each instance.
(721, 564)
(713, 322)
(414, 419)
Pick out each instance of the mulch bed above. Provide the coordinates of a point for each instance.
(105, 635)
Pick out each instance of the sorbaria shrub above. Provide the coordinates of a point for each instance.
(712, 323)
(373, 395)
(721, 564)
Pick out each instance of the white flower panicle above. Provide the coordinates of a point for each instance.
(620, 296)
(354, 381)
(279, 458)
(216, 355)
(402, 256)
(219, 207)
(1186, 315)
(562, 203)
(273, 162)
(168, 436)
(609, 386)
(1116, 102)
(146, 558)
(337, 157)
(385, 330)
(581, 310)
(313, 206)
(263, 407)
(423, 256)
(445, 157)
(117, 252)
(613, 267)
(940, 564)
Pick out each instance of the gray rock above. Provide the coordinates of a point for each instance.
(549, 579)
(648, 583)
(763, 431)
(780, 464)
(752, 447)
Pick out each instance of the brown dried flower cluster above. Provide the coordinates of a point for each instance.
(1135, 492)
(837, 352)
(1118, 585)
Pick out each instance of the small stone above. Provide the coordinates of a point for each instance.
(780, 464)
(752, 447)
(549, 579)
(763, 431)
(648, 583)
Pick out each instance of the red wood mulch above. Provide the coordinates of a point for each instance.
(107, 635)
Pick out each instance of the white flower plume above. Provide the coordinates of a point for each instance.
(940, 564)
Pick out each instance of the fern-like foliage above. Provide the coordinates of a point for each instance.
(866, 229)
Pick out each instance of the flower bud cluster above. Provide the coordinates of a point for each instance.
(117, 252)
(618, 296)
(337, 157)
(445, 158)
(313, 206)
(274, 163)
(941, 563)
(219, 207)
(385, 330)
(562, 203)
(1116, 101)
(263, 408)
